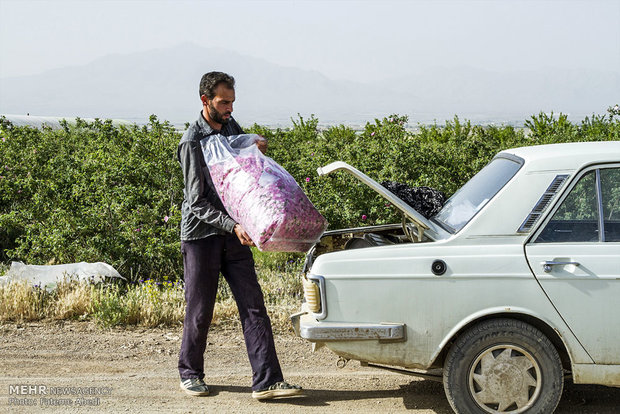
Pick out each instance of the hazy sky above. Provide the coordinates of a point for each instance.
(358, 40)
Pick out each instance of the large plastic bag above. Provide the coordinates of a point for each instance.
(49, 275)
(261, 195)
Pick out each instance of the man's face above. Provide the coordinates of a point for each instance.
(221, 106)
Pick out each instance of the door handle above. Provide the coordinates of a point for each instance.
(547, 265)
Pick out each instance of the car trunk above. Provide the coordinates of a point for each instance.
(414, 227)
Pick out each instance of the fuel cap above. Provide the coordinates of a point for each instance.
(438, 267)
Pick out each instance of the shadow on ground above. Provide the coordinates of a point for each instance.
(429, 395)
(589, 399)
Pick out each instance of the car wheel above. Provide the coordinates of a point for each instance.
(503, 366)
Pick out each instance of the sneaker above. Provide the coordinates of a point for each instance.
(194, 386)
(277, 390)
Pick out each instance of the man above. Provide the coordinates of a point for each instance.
(212, 242)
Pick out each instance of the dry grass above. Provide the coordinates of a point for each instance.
(71, 300)
(20, 301)
(146, 304)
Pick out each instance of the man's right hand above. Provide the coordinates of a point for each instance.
(262, 144)
(244, 238)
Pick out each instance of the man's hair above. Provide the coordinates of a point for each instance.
(211, 80)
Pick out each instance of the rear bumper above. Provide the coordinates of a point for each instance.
(307, 327)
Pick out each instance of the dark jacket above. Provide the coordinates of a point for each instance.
(202, 212)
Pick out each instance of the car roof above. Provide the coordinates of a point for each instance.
(569, 155)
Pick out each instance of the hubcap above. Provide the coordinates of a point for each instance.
(505, 379)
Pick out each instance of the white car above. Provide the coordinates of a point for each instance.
(514, 284)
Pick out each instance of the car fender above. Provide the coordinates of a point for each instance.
(576, 353)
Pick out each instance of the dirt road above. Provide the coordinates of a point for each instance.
(134, 370)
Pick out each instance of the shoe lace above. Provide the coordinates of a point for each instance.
(283, 385)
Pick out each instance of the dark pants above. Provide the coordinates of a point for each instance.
(203, 261)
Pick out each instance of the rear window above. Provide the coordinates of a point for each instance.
(476, 193)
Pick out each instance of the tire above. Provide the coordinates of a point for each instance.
(503, 366)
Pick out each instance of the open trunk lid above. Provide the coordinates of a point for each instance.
(423, 225)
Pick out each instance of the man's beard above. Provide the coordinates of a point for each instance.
(217, 117)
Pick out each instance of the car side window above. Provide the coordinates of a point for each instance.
(610, 190)
(577, 219)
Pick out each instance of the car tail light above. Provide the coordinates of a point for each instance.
(311, 293)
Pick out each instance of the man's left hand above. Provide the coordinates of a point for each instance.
(243, 237)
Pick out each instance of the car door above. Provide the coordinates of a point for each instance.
(575, 256)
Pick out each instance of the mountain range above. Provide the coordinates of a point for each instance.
(165, 82)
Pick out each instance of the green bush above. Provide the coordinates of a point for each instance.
(92, 192)
(97, 192)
